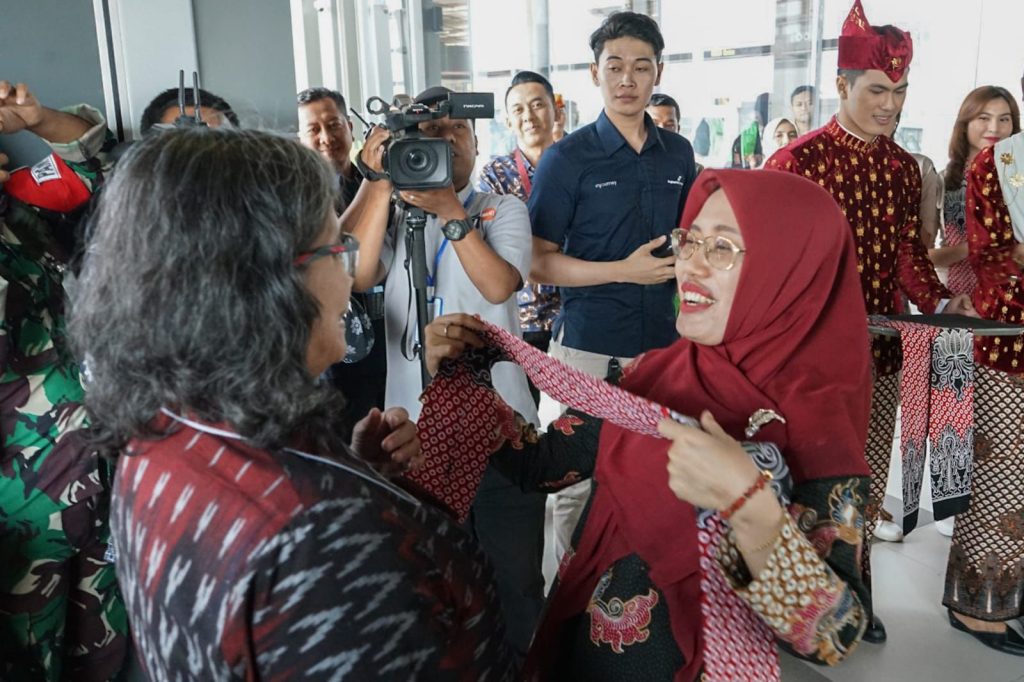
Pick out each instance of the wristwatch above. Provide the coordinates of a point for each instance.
(454, 230)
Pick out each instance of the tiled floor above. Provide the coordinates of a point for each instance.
(908, 583)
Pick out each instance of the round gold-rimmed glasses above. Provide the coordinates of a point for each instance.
(720, 252)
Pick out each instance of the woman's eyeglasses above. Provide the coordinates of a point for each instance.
(346, 251)
(720, 252)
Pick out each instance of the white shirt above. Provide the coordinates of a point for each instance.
(508, 234)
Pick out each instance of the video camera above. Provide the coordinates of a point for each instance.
(412, 160)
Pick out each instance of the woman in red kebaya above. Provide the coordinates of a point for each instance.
(766, 299)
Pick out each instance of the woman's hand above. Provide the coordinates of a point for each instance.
(708, 468)
(388, 440)
(449, 335)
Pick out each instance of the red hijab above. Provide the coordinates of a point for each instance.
(796, 342)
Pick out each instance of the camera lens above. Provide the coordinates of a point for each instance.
(417, 160)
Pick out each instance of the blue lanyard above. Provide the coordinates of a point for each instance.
(432, 276)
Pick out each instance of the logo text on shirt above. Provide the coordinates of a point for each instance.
(602, 185)
(677, 181)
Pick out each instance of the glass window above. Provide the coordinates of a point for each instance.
(718, 58)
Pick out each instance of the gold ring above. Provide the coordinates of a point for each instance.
(446, 325)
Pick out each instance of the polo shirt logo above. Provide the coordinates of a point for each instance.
(677, 181)
(602, 185)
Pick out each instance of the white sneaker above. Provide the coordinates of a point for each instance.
(945, 526)
(889, 531)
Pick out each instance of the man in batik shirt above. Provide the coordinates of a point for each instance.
(878, 186)
(531, 113)
(61, 615)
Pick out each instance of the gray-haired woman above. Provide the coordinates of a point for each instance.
(252, 541)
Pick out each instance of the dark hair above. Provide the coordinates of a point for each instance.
(189, 299)
(761, 107)
(959, 148)
(169, 98)
(627, 25)
(310, 95)
(531, 77)
(801, 89)
(851, 75)
(660, 99)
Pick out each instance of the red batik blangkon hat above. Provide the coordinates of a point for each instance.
(884, 48)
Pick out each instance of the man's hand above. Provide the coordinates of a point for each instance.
(443, 203)
(4, 175)
(372, 153)
(19, 109)
(449, 335)
(961, 305)
(643, 267)
(388, 440)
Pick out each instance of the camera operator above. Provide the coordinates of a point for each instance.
(478, 254)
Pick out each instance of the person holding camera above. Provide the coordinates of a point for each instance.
(478, 256)
(604, 201)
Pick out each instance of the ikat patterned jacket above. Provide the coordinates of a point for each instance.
(239, 564)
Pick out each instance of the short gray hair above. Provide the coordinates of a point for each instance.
(188, 297)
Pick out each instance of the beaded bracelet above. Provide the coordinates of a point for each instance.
(762, 480)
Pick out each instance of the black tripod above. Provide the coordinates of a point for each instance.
(416, 266)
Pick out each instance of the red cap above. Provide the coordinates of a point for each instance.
(883, 48)
(49, 184)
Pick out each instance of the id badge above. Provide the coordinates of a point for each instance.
(436, 307)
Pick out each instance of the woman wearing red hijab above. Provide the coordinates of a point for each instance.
(772, 322)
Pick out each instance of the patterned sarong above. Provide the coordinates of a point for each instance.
(937, 403)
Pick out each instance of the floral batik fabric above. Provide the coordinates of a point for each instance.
(937, 400)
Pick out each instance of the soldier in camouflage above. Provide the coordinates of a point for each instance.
(61, 615)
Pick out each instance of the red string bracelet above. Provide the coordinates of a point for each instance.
(762, 480)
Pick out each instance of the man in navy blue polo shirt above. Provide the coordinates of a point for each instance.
(604, 201)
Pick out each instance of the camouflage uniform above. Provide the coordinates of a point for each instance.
(61, 615)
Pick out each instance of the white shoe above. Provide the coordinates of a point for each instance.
(945, 526)
(889, 531)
